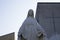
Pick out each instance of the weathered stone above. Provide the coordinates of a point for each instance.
(30, 29)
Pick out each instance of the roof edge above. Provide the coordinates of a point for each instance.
(48, 2)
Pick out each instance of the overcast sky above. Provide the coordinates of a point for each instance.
(14, 12)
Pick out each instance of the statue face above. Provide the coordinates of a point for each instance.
(30, 13)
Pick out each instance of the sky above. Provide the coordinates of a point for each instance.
(14, 12)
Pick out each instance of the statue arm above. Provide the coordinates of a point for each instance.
(40, 31)
(20, 33)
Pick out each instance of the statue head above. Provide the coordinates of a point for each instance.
(30, 13)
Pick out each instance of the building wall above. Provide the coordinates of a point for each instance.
(10, 36)
(48, 16)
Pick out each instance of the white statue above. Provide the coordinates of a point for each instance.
(30, 29)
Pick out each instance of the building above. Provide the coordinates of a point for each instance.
(10, 36)
(48, 16)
